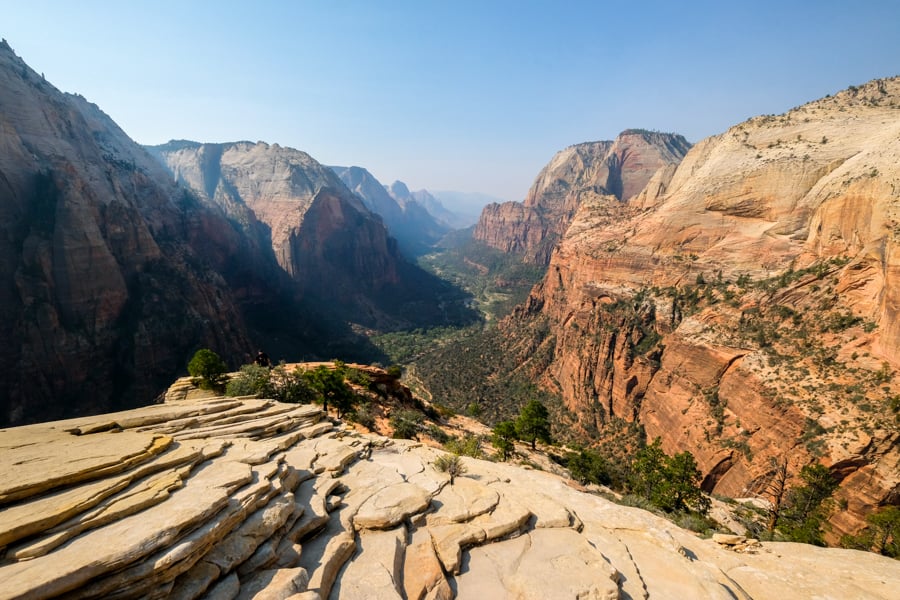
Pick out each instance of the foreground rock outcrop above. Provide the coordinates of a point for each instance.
(247, 498)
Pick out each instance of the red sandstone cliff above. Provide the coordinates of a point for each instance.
(745, 307)
(621, 168)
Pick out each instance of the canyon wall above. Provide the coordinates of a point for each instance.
(621, 168)
(110, 275)
(743, 306)
(338, 253)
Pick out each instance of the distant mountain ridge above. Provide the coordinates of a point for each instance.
(322, 234)
(462, 208)
(415, 228)
(618, 170)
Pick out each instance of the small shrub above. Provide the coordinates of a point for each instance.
(252, 380)
(290, 387)
(470, 445)
(406, 424)
(637, 502)
(695, 522)
(444, 411)
(438, 434)
(451, 464)
(360, 378)
(894, 403)
(362, 414)
(473, 409)
(884, 374)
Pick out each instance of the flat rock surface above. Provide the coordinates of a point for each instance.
(310, 510)
(546, 563)
(376, 570)
(391, 506)
(463, 501)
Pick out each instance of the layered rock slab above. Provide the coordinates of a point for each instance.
(289, 514)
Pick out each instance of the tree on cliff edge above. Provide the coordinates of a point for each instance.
(671, 483)
(776, 489)
(533, 423)
(330, 386)
(503, 438)
(881, 534)
(207, 365)
(807, 506)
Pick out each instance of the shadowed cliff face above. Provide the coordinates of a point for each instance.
(338, 254)
(743, 305)
(104, 292)
(619, 169)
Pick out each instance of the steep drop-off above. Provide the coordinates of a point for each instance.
(744, 307)
(619, 169)
(110, 274)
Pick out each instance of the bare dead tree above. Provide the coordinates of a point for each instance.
(776, 489)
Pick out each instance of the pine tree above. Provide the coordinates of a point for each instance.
(330, 385)
(671, 483)
(533, 423)
(647, 470)
(207, 365)
(776, 489)
(807, 507)
(682, 485)
(502, 438)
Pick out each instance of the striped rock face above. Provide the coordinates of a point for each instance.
(744, 306)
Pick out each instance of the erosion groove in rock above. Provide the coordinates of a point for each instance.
(311, 509)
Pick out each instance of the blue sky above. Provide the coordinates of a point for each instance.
(470, 96)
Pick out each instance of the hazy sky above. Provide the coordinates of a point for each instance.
(470, 96)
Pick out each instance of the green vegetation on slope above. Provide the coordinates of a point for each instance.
(478, 372)
(497, 281)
